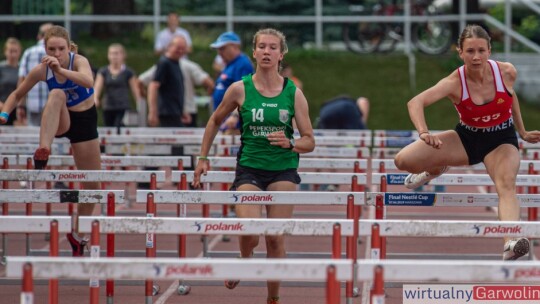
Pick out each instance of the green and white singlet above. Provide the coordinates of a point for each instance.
(259, 116)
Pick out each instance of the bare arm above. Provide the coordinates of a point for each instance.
(306, 142)
(209, 85)
(134, 85)
(509, 73)
(232, 99)
(81, 73)
(446, 87)
(153, 88)
(98, 89)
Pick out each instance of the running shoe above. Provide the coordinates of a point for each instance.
(272, 300)
(231, 284)
(76, 246)
(516, 248)
(41, 157)
(413, 181)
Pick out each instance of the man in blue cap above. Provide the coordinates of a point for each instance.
(237, 64)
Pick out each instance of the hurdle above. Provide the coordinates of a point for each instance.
(275, 269)
(177, 162)
(382, 199)
(82, 176)
(350, 199)
(57, 196)
(56, 148)
(314, 270)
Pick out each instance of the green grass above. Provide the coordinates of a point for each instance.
(384, 79)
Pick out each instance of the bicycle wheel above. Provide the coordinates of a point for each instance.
(432, 37)
(364, 37)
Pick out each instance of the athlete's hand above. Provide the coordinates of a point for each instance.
(278, 139)
(52, 62)
(431, 139)
(203, 165)
(532, 136)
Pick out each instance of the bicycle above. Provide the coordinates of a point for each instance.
(431, 37)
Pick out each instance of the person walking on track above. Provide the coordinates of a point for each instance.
(69, 112)
(266, 104)
(483, 95)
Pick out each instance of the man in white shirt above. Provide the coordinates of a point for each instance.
(37, 96)
(165, 36)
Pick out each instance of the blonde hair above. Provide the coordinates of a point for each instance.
(73, 47)
(270, 31)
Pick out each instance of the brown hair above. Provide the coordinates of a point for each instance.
(273, 32)
(60, 32)
(473, 31)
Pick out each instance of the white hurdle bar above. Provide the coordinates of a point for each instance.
(447, 228)
(60, 196)
(273, 269)
(330, 271)
(250, 197)
(388, 164)
(34, 224)
(56, 148)
(82, 175)
(113, 161)
(187, 269)
(463, 179)
(215, 226)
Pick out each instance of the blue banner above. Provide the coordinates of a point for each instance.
(409, 199)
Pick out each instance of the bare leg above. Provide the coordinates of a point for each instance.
(419, 157)
(502, 165)
(275, 245)
(55, 118)
(87, 156)
(248, 242)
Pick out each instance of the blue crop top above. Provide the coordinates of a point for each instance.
(75, 93)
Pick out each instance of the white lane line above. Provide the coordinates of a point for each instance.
(174, 286)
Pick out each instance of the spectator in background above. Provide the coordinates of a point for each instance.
(165, 36)
(287, 71)
(9, 71)
(344, 112)
(37, 96)
(237, 65)
(166, 90)
(114, 82)
(194, 76)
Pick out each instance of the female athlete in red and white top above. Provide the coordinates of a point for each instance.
(482, 92)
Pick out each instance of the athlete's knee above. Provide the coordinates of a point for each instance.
(506, 183)
(401, 162)
(56, 96)
(250, 240)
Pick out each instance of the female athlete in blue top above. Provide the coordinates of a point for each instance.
(69, 112)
